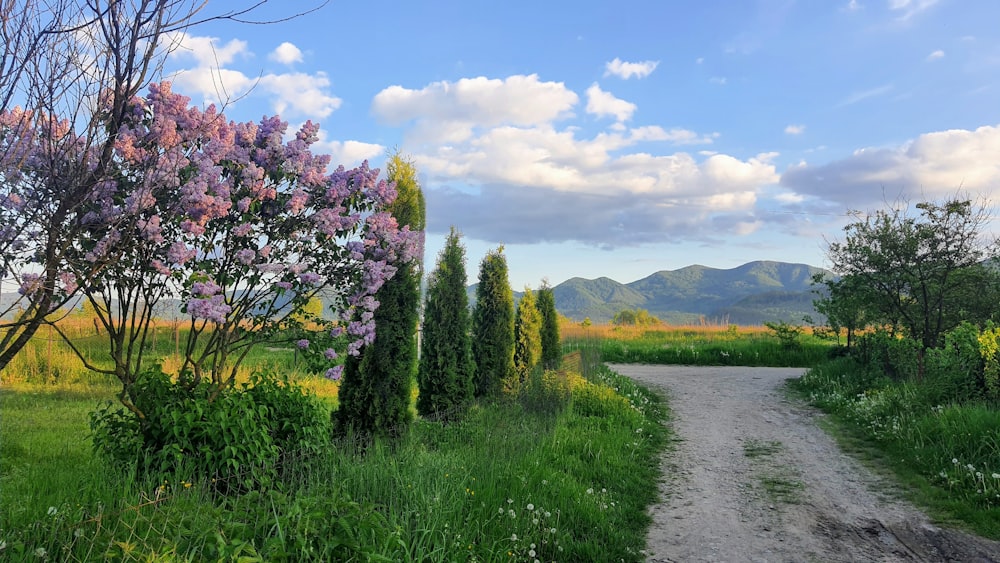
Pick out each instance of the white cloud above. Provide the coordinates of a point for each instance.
(300, 93)
(451, 111)
(601, 103)
(627, 70)
(852, 6)
(286, 53)
(909, 8)
(505, 160)
(295, 94)
(865, 94)
(205, 50)
(676, 135)
(935, 55)
(931, 166)
(795, 129)
(349, 153)
(720, 80)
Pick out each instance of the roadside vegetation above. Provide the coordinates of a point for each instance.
(564, 470)
(783, 345)
(917, 386)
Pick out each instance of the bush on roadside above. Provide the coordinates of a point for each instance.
(235, 436)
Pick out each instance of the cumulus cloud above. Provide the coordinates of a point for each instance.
(206, 51)
(286, 53)
(933, 165)
(795, 129)
(450, 111)
(627, 70)
(601, 104)
(349, 153)
(291, 94)
(505, 160)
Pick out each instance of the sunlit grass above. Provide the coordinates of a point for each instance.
(503, 484)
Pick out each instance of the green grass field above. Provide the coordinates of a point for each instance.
(506, 483)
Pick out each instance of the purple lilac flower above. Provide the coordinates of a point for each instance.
(330, 354)
(310, 278)
(243, 230)
(302, 344)
(335, 372)
(68, 280)
(213, 308)
(246, 256)
(179, 253)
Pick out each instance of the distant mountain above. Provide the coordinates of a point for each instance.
(749, 294)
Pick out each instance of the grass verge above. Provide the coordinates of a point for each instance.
(505, 483)
(946, 457)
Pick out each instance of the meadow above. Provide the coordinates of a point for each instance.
(703, 345)
(563, 472)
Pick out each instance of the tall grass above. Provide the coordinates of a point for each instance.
(948, 454)
(696, 345)
(514, 480)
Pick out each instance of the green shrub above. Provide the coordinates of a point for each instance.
(234, 436)
(598, 400)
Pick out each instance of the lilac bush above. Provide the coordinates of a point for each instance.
(244, 226)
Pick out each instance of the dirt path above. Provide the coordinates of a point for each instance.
(754, 479)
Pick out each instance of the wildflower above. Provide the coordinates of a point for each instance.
(511, 513)
(53, 511)
(531, 553)
(954, 461)
(996, 475)
(590, 491)
(513, 537)
(531, 506)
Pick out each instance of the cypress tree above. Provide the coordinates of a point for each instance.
(446, 368)
(551, 352)
(493, 325)
(375, 391)
(527, 337)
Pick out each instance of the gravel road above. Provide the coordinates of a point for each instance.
(753, 478)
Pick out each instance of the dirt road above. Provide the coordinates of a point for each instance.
(754, 479)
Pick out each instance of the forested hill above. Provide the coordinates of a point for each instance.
(749, 294)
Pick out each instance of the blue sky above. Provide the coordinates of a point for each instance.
(621, 138)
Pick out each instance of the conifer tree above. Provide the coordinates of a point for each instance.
(527, 337)
(493, 325)
(446, 368)
(546, 303)
(375, 392)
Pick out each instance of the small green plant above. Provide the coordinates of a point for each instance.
(787, 334)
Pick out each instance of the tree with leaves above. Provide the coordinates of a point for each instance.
(551, 352)
(446, 368)
(374, 393)
(924, 272)
(493, 325)
(69, 74)
(527, 338)
(845, 303)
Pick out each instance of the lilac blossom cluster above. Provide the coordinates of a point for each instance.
(228, 215)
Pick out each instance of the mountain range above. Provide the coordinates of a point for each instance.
(751, 294)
